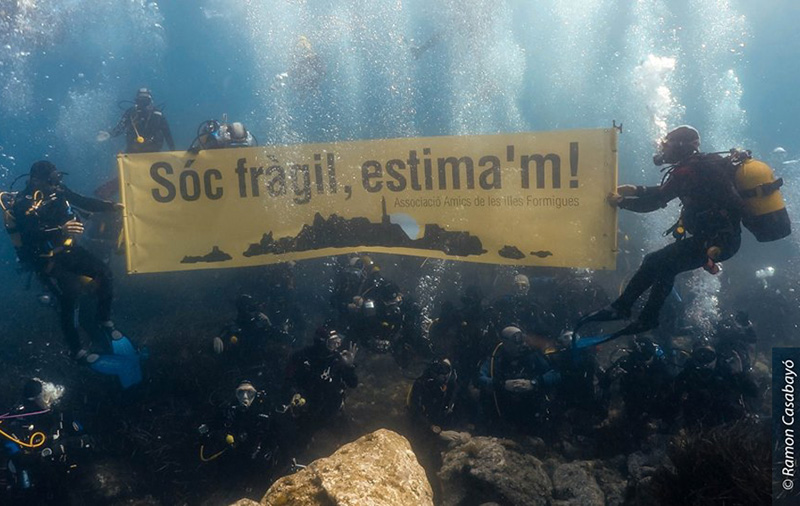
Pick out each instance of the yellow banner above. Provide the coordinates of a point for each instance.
(526, 199)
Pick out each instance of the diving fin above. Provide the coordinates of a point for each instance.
(123, 346)
(589, 341)
(607, 314)
(127, 368)
(636, 327)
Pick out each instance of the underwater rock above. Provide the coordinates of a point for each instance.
(245, 502)
(612, 483)
(378, 469)
(454, 438)
(574, 484)
(490, 469)
(107, 480)
(641, 464)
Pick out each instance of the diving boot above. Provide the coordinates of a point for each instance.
(83, 357)
(607, 314)
(109, 331)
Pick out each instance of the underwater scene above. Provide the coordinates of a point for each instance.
(399, 253)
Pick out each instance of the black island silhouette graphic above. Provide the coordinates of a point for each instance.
(514, 253)
(216, 255)
(338, 232)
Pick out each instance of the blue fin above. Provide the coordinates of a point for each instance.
(123, 346)
(126, 368)
(589, 341)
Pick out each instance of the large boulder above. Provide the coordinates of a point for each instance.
(378, 469)
(574, 484)
(484, 469)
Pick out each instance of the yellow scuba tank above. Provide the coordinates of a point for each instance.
(765, 214)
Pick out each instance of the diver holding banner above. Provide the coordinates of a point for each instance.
(44, 226)
(717, 195)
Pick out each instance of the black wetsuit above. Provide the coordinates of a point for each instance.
(56, 259)
(529, 409)
(321, 377)
(147, 122)
(41, 475)
(711, 216)
(432, 399)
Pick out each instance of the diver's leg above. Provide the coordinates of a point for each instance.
(79, 261)
(645, 276)
(648, 273)
(68, 314)
(685, 255)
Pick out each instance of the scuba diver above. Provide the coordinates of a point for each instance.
(318, 377)
(707, 232)
(644, 383)
(735, 337)
(251, 341)
(44, 228)
(281, 303)
(517, 381)
(43, 445)
(245, 428)
(712, 389)
(375, 312)
(213, 134)
(518, 306)
(432, 397)
(250, 331)
(465, 333)
(144, 125)
(357, 280)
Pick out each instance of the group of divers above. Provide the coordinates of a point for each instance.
(506, 364)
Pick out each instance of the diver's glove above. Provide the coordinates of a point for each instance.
(355, 305)
(219, 346)
(73, 227)
(519, 385)
(349, 355)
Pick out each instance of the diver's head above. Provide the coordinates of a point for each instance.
(245, 394)
(143, 99)
(439, 371)
(678, 145)
(390, 294)
(44, 175)
(522, 285)
(513, 340)
(208, 127)
(238, 132)
(354, 270)
(705, 356)
(645, 348)
(328, 338)
(246, 306)
(42, 393)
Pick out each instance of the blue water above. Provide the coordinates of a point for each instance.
(305, 71)
(317, 71)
